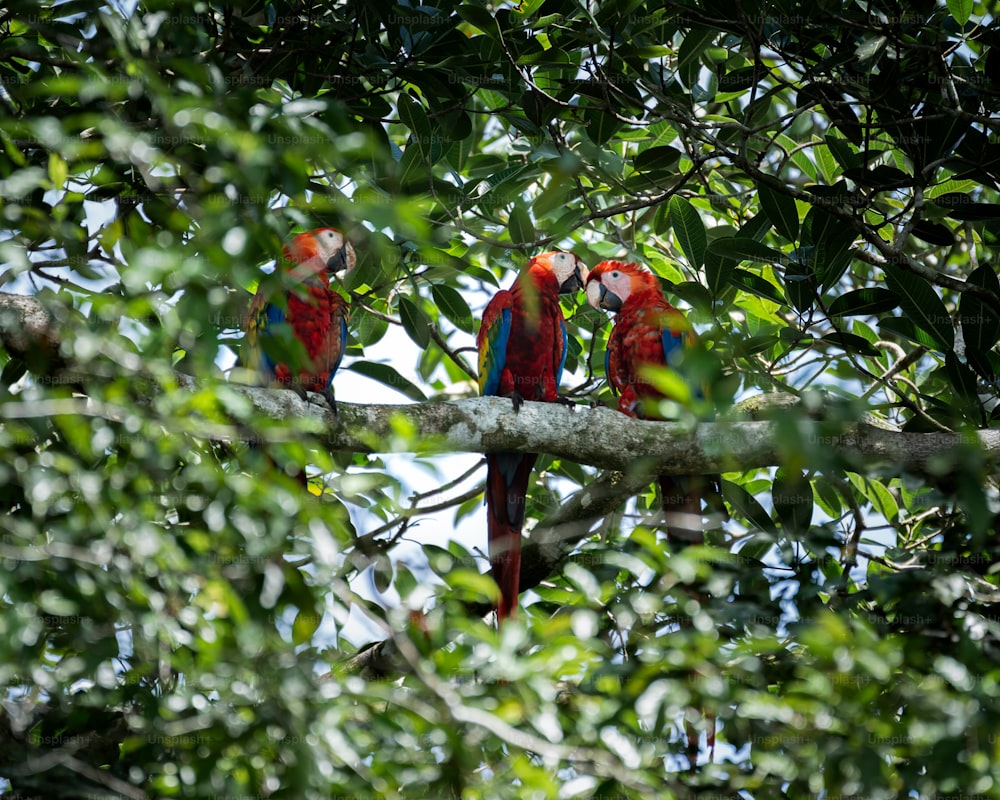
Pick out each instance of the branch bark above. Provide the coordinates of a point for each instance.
(598, 437)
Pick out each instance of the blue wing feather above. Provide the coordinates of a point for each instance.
(673, 344)
(343, 347)
(270, 317)
(562, 356)
(264, 317)
(494, 355)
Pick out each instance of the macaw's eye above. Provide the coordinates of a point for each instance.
(616, 274)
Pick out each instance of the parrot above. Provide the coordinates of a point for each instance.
(308, 311)
(522, 350)
(648, 332)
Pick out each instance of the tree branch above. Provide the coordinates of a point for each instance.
(598, 437)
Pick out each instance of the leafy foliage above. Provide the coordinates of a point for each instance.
(819, 190)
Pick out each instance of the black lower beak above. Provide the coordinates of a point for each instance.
(573, 283)
(609, 300)
(338, 260)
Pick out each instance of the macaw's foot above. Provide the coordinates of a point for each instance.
(518, 400)
(328, 396)
(297, 388)
(565, 401)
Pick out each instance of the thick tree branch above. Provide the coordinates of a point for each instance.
(26, 326)
(597, 437)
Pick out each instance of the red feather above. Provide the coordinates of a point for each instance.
(522, 347)
(637, 343)
(314, 311)
(315, 317)
(303, 304)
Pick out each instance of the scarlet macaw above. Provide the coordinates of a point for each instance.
(522, 350)
(296, 336)
(648, 332)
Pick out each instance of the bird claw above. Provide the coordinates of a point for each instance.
(565, 401)
(328, 396)
(517, 400)
(302, 393)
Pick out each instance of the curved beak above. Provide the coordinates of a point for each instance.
(343, 259)
(599, 297)
(575, 282)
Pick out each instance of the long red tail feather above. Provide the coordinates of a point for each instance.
(507, 477)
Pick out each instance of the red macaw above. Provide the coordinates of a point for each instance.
(522, 350)
(296, 335)
(648, 332)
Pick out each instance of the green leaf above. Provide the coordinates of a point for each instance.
(740, 248)
(553, 196)
(960, 10)
(405, 582)
(828, 166)
(382, 572)
(305, 624)
(950, 191)
(600, 125)
(871, 301)
(877, 494)
(388, 375)
(689, 54)
(452, 306)
(961, 207)
(980, 321)
(479, 17)
(799, 156)
(746, 506)
(800, 286)
(488, 200)
(652, 51)
(780, 209)
(413, 170)
(520, 227)
(757, 285)
(934, 233)
(413, 116)
(830, 239)
(718, 271)
(656, 158)
(851, 343)
(369, 328)
(902, 326)
(962, 379)
(751, 345)
(415, 322)
(58, 171)
(881, 178)
(792, 496)
(921, 305)
(841, 149)
(689, 230)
